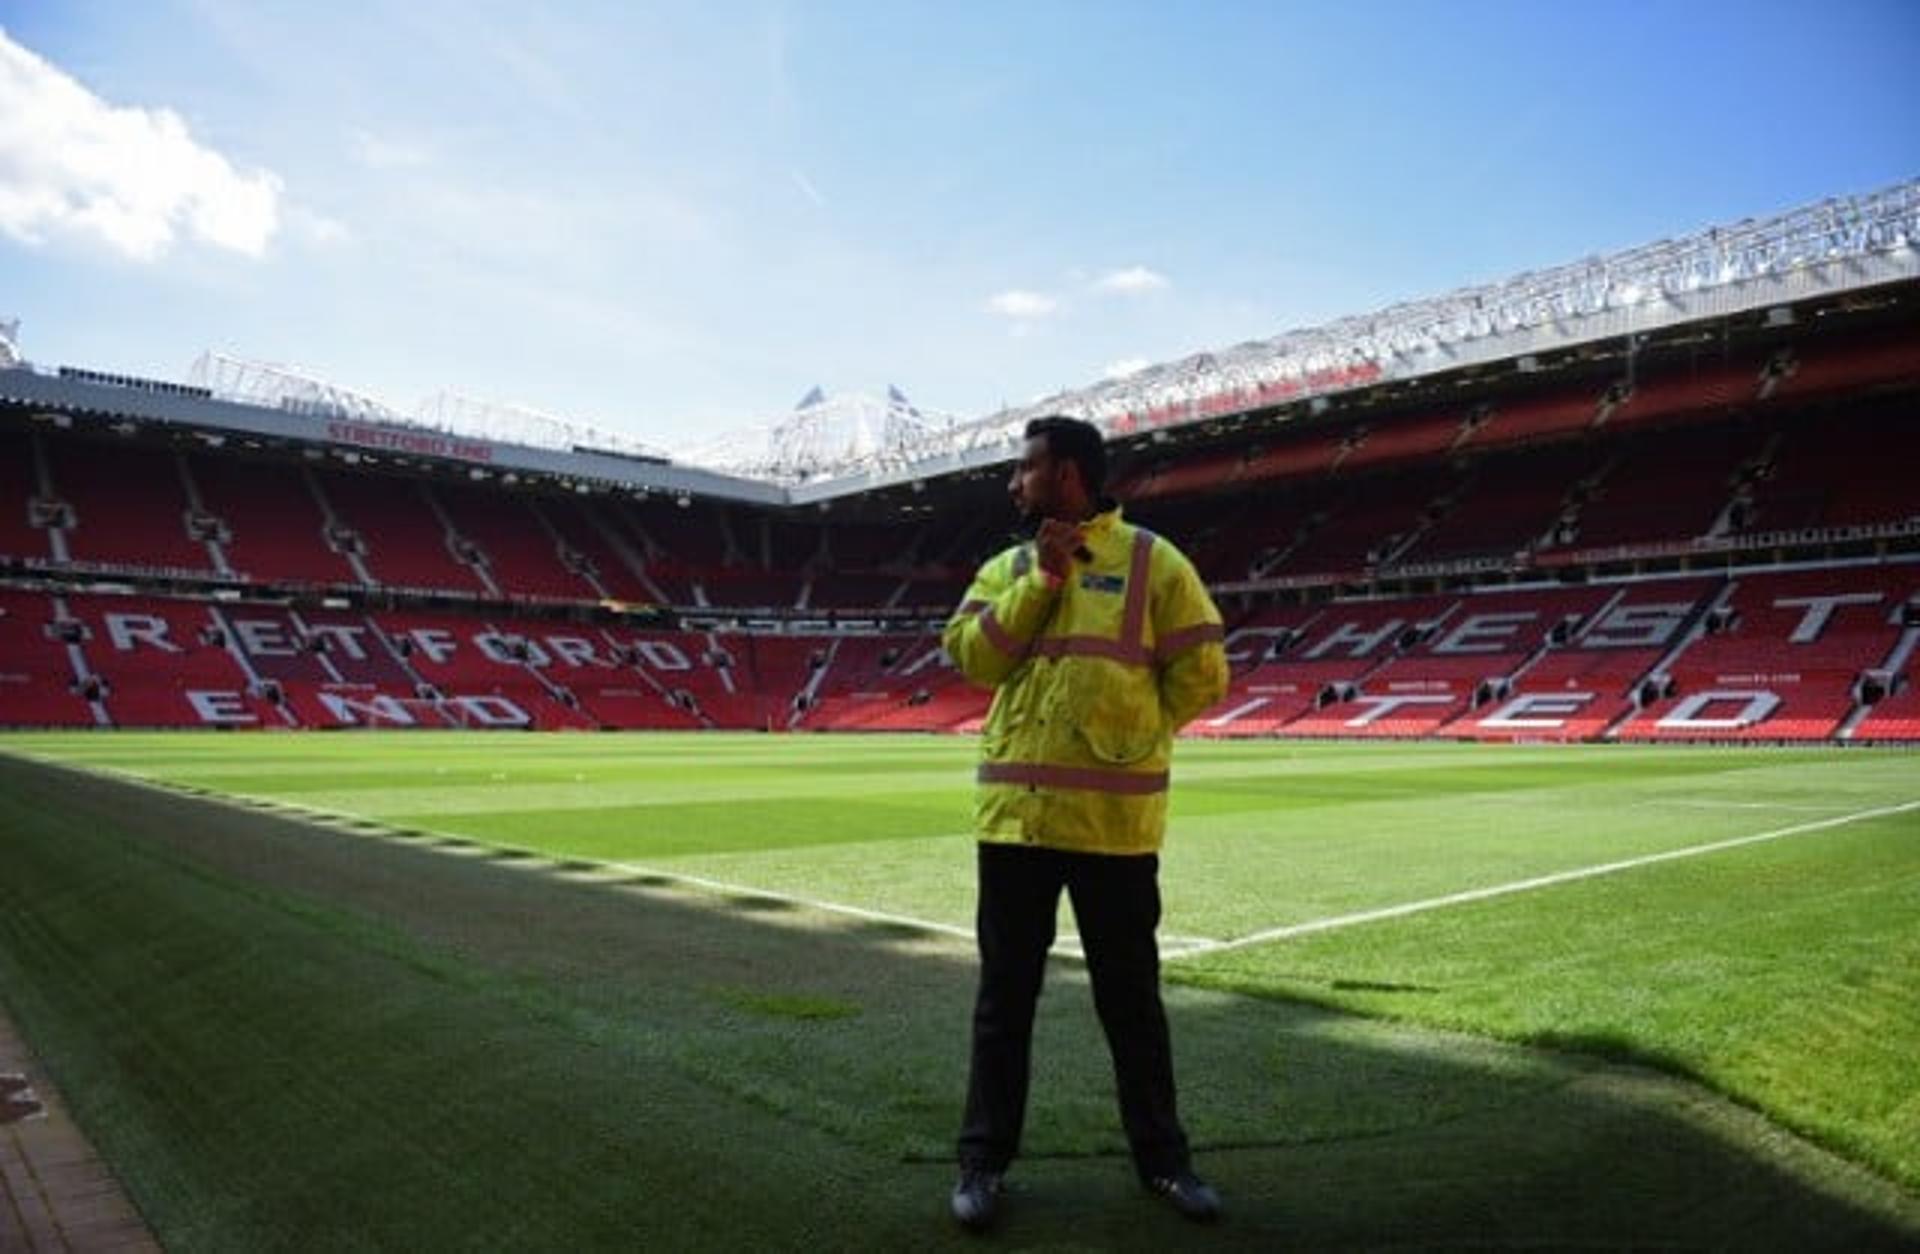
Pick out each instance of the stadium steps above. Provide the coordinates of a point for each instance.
(82, 670)
(216, 551)
(464, 550)
(588, 574)
(623, 548)
(1894, 664)
(332, 523)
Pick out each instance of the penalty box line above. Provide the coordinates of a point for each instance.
(1331, 923)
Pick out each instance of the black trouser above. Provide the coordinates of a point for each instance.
(1116, 903)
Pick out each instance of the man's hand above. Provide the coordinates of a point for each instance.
(1057, 543)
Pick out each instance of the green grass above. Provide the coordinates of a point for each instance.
(147, 934)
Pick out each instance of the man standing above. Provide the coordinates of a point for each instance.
(1100, 642)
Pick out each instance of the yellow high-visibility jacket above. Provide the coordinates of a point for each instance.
(1093, 675)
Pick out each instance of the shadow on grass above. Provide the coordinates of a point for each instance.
(448, 1051)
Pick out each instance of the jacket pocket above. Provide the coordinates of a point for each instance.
(1119, 717)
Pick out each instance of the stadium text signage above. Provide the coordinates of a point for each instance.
(420, 443)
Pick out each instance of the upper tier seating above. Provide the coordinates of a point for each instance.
(521, 556)
(18, 488)
(407, 544)
(128, 504)
(1668, 488)
(276, 529)
(610, 561)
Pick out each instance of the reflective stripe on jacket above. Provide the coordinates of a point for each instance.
(1092, 678)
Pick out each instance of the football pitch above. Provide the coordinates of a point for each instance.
(426, 989)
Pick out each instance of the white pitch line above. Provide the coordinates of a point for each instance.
(858, 912)
(811, 903)
(1702, 804)
(1528, 885)
(240, 801)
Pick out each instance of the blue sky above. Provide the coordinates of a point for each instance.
(671, 219)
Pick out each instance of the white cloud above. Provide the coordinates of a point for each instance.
(1024, 305)
(1131, 281)
(131, 178)
(316, 228)
(1125, 367)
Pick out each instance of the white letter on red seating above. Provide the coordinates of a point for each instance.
(344, 638)
(1486, 633)
(663, 655)
(1755, 707)
(1636, 626)
(493, 711)
(574, 650)
(1382, 706)
(263, 638)
(1820, 612)
(378, 708)
(1361, 642)
(1252, 644)
(435, 643)
(1543, 710)
(220, 707)
(148, 629)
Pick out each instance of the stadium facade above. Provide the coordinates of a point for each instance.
(1666, 494)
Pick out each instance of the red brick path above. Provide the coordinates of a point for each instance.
(55, 1193)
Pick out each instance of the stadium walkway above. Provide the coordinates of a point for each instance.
(55, 1192)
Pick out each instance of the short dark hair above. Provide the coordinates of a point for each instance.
(1076, 441)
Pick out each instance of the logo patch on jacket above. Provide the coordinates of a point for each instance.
(1104, 583)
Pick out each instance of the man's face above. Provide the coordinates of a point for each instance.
(1036, 483)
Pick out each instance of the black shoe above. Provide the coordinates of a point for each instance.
(976, 1199)
(1193, 1197)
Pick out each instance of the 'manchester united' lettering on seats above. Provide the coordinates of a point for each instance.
(1734, 703)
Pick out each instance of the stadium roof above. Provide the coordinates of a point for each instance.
(1835, 245)
(837, 446)
(823, 434)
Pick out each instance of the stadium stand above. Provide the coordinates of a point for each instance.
(1788, 656)
(1711, 533)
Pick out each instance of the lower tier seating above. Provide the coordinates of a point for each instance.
(1802, 655)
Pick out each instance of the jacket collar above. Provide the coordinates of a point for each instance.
(1106, 520)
